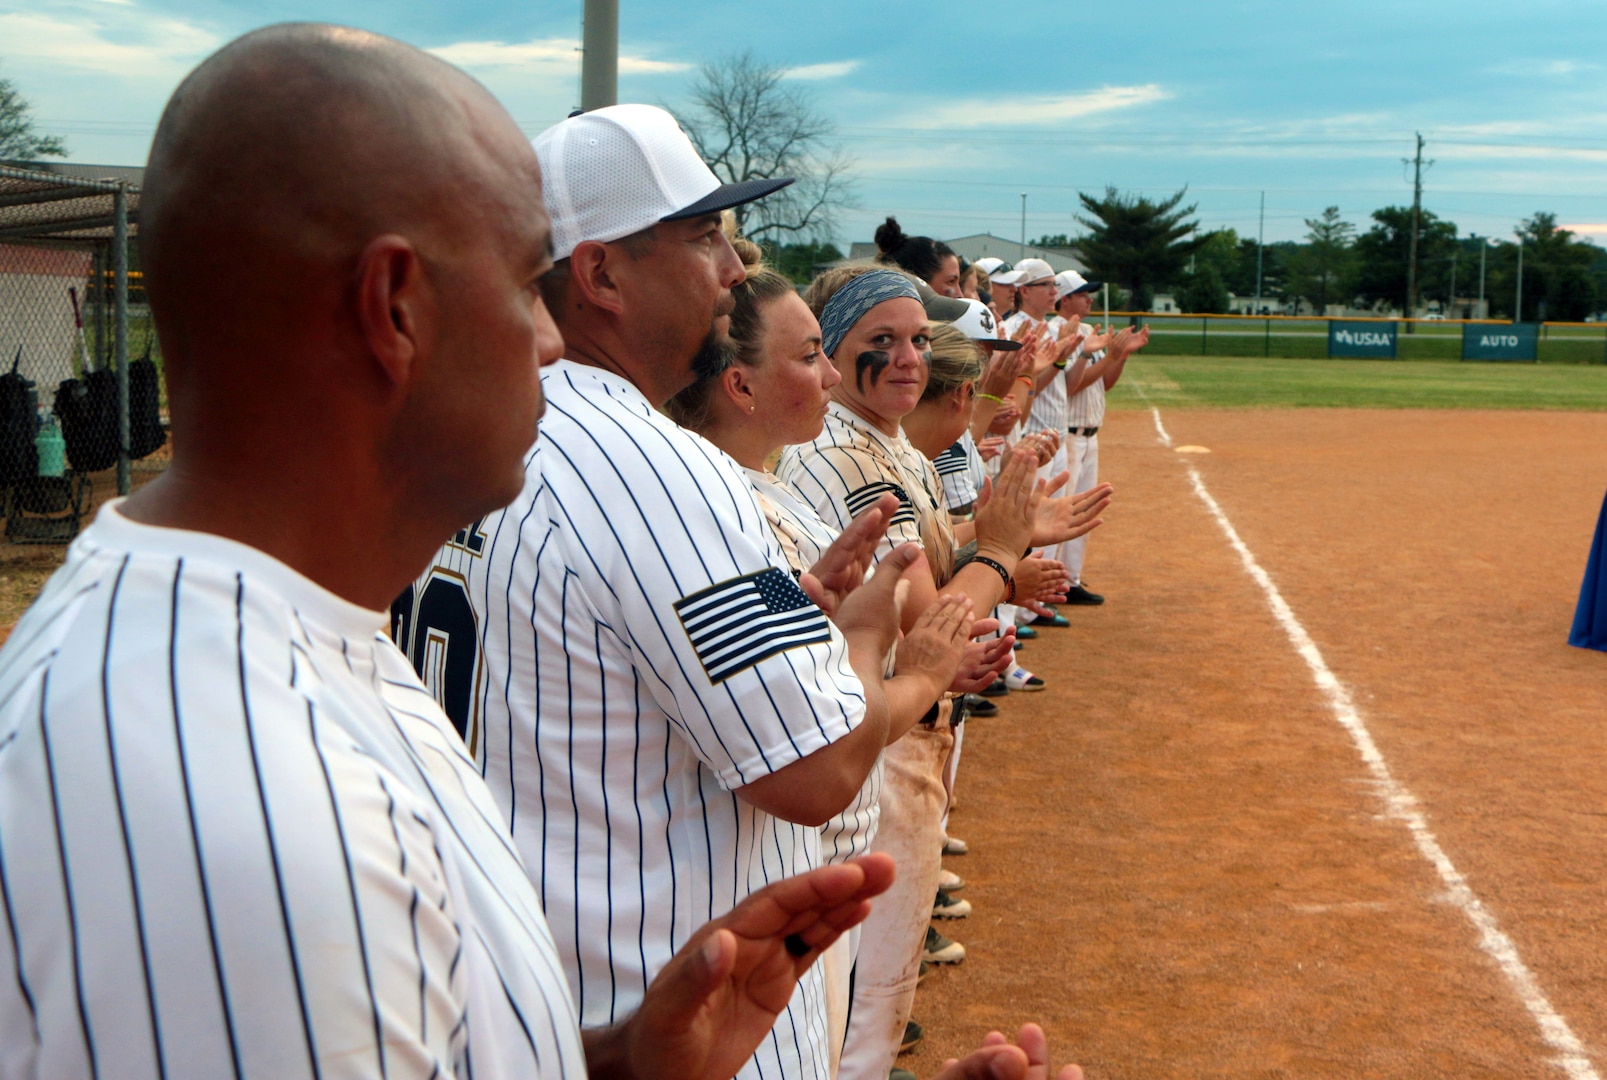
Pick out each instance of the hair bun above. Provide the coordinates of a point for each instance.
(889, 237)
(751, 254)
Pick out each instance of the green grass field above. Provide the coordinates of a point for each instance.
(1238, 382)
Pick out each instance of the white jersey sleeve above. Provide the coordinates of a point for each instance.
(845, 471)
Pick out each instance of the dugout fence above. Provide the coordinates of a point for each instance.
(1307, 337)
(81, 404)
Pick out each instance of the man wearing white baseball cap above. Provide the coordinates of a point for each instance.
(663, 713)
(1002, 282)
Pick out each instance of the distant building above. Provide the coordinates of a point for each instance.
(982, 245)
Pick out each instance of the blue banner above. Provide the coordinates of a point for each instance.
(1515, 342)
(1363, 340)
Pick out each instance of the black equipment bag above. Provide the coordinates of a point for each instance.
(19, 424)
(145, 434)
(87, 409)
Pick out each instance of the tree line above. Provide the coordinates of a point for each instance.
(1147, 246)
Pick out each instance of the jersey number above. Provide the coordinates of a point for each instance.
(439, 635)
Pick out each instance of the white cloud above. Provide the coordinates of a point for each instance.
(1016, 112)
(148, 45)
(1554, 69)
(542, 51)
(835, 70)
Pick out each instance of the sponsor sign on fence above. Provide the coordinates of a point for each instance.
(1516, 342)
(1368, 340)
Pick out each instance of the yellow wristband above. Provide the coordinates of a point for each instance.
(991, 397)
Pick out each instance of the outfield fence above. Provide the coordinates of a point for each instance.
(1306, 337)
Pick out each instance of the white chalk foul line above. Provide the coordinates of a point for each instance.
(1402, 804)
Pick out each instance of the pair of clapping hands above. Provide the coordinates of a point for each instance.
(719, 996)
(942, 644)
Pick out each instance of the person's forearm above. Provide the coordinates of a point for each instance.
(981, 582)
(964, 532)
(1115, 372)
(982, 414)
(909, 697)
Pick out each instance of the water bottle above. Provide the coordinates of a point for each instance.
(52, 449)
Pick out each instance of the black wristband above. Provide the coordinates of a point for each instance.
(1003, 573)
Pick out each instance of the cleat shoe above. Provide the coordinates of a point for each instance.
(902, 1074)
(1022, 679)
(1027, 632)
(953, 845)
(1053, 619)
(977, 705)
(940, 950)
(998, 689)
(913, 1034)
(949, 881)
(926, 969)
(949, 906)
(1079, 594)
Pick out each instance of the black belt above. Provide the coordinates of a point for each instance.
(1085, 432)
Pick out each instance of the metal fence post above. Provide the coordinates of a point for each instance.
(125, 480)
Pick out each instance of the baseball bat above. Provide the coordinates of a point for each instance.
(78, 320)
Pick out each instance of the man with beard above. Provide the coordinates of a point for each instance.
(662, 711)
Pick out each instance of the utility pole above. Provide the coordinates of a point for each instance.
(1517, 307)
(1417, 219)
(1484, 245)
(1023, 254)
(599, 59)
(1260, 235)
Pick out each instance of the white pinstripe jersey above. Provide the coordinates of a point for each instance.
(1048, 412)
(1087, 407)
(805, 538)
(850, 465)
(237, 838)
(961, 470)
(642, 652)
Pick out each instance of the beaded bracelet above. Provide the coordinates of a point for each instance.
(990, 397)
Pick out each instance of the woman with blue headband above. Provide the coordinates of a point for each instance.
(875, 330)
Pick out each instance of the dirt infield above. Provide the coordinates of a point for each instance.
(1180, 863)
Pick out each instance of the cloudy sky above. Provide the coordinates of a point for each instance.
(952, 111)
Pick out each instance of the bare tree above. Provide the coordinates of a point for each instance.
(749, 124)
(18, 140)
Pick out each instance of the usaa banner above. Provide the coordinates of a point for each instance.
(1514, 342)
(1367, 340)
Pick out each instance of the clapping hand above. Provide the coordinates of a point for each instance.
(1059, 520)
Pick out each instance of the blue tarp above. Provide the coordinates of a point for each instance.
(1590, 619)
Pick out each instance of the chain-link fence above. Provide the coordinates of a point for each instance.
(1294, 337)
(80, 377)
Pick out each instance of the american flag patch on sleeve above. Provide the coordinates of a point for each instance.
(951, 461)
(739, 623)
(864, 498)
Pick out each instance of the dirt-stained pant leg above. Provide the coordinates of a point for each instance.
(913, 800)
(1083, 461)
(837, 965)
